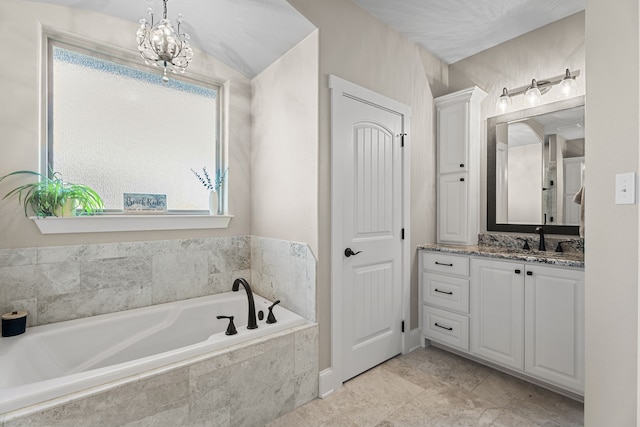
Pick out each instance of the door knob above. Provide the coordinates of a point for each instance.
(348, 252)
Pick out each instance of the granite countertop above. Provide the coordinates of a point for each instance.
(562, 259)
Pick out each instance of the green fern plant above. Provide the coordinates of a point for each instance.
(51, 196)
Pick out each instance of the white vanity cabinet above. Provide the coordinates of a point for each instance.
(458, 127)
(497, 299)
(444, 296)
(524, 316)
(554, 326)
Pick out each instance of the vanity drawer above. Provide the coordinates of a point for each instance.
(445, 327)
(444, 263)
(450, 293)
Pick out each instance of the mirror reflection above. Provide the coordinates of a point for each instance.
(537, 160)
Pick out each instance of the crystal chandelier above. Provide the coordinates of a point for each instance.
(163, 46)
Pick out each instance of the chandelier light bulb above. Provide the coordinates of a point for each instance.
(162, 45)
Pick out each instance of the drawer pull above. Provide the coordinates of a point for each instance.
(517, 271)
(443, 327)
(445, 264)
(443, 292)
(529, 273)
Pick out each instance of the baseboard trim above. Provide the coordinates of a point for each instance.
(567, 393)
(414, 339)
(327, 383)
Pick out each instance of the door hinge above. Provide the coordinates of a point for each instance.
(402, 135)
(402, 327)
(402, 234)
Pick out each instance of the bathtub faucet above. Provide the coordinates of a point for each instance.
(251, 324)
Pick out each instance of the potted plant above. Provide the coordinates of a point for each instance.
(53, 196)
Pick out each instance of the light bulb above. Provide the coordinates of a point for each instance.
(532, 96)
(504, 102)
(567, 86)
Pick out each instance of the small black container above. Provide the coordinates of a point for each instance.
(14, 323)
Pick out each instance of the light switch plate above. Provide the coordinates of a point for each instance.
(626, 188)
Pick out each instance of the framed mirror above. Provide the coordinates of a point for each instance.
(535, 167)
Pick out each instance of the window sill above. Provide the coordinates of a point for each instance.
(112, 223)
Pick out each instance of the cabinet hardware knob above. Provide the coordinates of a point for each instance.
(443, 292)
(443, 327)
(529, 273)
(445, 264)
(517, 271)
(461, 165)
(461, 179)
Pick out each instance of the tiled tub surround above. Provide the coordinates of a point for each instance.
(286, 271)
(113, 346)
(244, 385)
(62, 283)
(68, 282)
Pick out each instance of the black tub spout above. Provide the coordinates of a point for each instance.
(251, 323)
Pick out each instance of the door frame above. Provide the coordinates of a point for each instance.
(331, 378)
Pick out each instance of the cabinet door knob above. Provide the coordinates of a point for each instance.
(461, 179)
(461, 165)
(529, 273)
(517, 271)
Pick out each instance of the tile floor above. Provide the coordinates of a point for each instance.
(432, 387)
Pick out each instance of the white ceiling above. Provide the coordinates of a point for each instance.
(249, 35)
(455, 29)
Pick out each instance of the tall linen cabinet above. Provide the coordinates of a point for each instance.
(459, 126)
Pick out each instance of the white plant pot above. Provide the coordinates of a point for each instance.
(68, 209)
(213, 203)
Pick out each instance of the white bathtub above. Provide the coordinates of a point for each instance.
(54, 360)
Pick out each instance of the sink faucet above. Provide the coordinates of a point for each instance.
(541, 246)
(251, 324)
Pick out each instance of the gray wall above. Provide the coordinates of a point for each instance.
(21, 22)
(612, 136)
(359, 48)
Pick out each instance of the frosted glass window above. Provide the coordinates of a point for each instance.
(119, 129)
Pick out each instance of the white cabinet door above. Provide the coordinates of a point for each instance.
(453, 124)
(554, 326)
(497, 312)
(452, 208)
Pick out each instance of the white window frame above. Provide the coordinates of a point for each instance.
(118, 221)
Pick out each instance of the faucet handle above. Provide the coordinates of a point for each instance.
(231, 329)
(271, 318)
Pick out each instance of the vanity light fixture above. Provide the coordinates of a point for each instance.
(504, 102)
(163, 46)
(568, 85)
(533, 93)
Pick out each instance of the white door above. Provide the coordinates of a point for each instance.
(368, 166)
